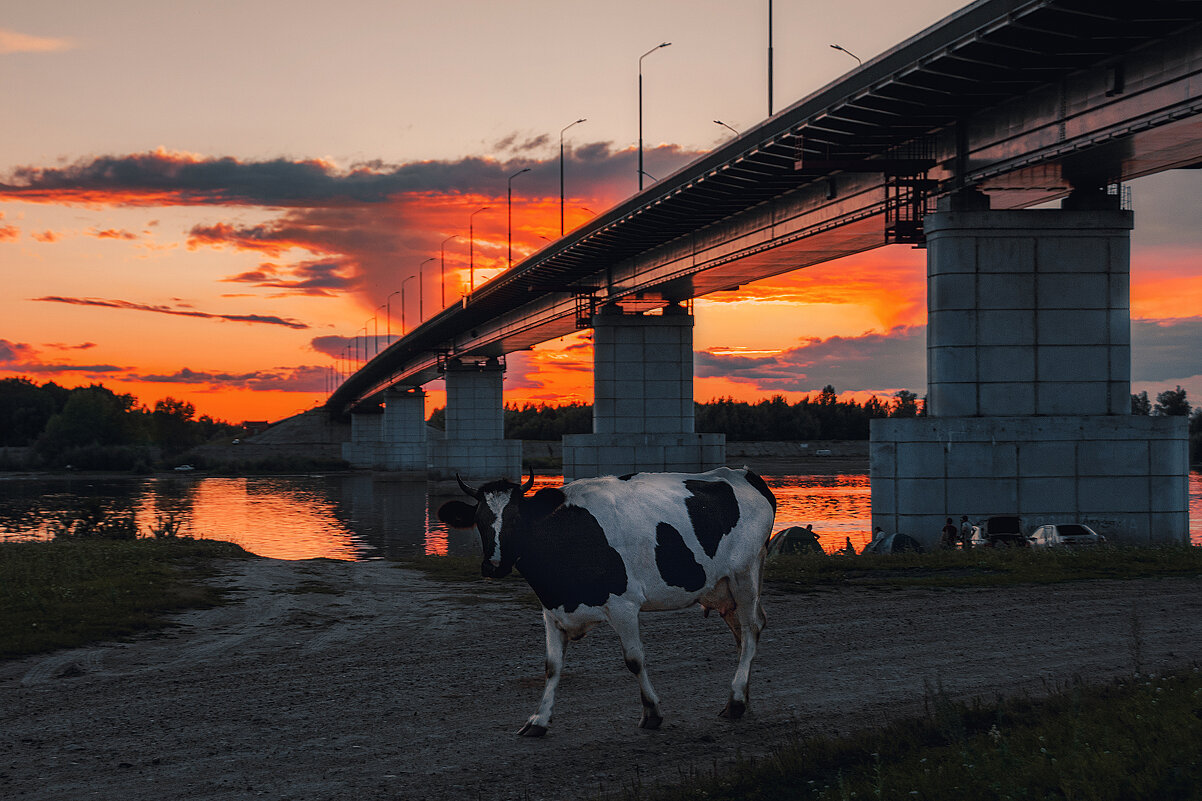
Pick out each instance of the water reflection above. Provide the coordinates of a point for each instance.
(361, 517)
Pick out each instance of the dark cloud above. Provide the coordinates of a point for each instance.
(317, 278)
(64, 346)
(161, 178)
(1164, 350)
(19, 357)
(131, 306)
(306, 378)
(872, 362)
(12, 352)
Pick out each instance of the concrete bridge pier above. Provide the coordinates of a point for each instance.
(363, 449)
(1028, 368)
(642, 400)
(403, 444)
(474, 445)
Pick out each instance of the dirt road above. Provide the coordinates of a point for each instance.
(400, 687)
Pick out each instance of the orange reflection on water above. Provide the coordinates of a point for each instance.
(838, 506)
(266, 518)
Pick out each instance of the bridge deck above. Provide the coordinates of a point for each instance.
(1024, 99)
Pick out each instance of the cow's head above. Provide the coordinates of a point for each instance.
(494, 515)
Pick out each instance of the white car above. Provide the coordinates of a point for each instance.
(1064, 534)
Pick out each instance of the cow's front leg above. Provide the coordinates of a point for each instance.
(624, 617)
(557, 640)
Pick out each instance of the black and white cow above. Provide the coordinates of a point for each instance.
(607, 548)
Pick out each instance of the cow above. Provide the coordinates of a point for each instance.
(607, 548)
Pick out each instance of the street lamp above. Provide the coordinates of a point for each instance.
(421, 313)
(724, 125)
(577, 122)
(365, 335)
(509, 206)
(471, 249)
(389, 314)
(403, 329)
(442, 254)
(769, 58)
(848, 52)
(649, 52)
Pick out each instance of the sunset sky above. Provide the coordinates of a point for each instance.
(207, 201)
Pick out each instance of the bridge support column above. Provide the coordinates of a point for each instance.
(475, 444)
(1028, 369)
(403, 445)
(363, 450)
(643, 400)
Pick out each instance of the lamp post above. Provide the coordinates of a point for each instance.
(848, 52)
(366, 345)
(388, 312)
(421, 293)
(442, 254)
(724, 125)
(362, 357)
(403, 329)
(649, 52)
(769, 58)
(577, 122)
(471, 249)
(509, 207)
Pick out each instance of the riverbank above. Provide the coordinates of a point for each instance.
(336, 680)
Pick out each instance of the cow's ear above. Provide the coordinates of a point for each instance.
(457, 514)
(542, 503)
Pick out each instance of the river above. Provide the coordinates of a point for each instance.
(358, 516)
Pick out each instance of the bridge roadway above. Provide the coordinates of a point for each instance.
(1025, 100)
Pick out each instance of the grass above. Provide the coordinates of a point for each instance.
(74, 591)
(1136, 738)
(984, 567)
(941, 569)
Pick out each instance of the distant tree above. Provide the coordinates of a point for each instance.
(905, 404)
(25, 408)
(172, 427)
(1140, 403)
(1172, 403)
(93, 415)
(1195, 436)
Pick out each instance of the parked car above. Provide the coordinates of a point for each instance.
(1000, 531)
(1073, 535)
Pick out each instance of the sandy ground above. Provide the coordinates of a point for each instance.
(400, 687)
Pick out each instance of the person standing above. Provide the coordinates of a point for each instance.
(950, 534)
(965, 533)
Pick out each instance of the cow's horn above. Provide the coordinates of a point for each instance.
(528, 482)
(474, 493)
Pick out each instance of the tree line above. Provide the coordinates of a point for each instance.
(95, 428)
(771, 419)
(823, 416)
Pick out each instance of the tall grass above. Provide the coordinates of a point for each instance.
(77, 590)
(1139, 738)
(984, 567)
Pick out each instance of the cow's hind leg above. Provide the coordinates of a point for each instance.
(750, 618)
(624, 617)
(557, 641)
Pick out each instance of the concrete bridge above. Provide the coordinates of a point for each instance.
(944, 141)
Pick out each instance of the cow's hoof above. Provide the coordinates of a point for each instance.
(532, 729)
(734, 709)
(651, 721)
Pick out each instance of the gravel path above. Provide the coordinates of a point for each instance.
(395, 686)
